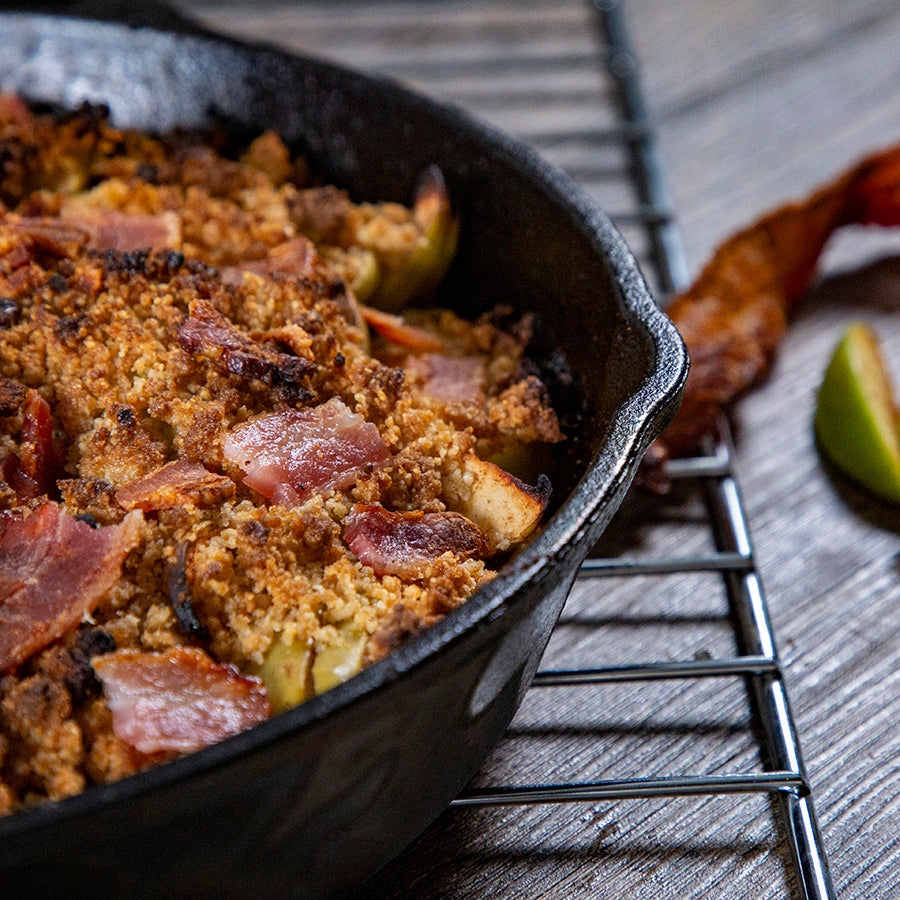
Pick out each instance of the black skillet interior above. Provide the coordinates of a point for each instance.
(312, 801)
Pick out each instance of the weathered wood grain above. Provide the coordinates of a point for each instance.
(755, 103)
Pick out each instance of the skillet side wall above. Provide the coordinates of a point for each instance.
(311, 802)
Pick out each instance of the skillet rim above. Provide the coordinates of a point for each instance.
(565, 537)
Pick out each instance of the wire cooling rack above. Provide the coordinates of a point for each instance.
(570, 87)
(783, 775)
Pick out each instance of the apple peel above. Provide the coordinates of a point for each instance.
(857, 420)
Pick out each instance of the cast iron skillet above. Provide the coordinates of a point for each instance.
(311, 802)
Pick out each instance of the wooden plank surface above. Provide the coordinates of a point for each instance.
(755, 103)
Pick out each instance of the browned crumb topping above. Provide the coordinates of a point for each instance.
(150, 358)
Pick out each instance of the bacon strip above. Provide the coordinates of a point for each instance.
(48, 234)
(294, 257)
(289, 455)
(176, 484)
(402, 543)
(209, 333)
(40, 460)
(450, 378)
(736, 312)
(180, 700)
(109, 229)
(33, 473)
(54, 570)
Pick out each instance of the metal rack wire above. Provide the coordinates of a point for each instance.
(757, 662)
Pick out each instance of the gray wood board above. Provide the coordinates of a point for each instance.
(755, 103)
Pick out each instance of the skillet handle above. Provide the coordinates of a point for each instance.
(142, 14)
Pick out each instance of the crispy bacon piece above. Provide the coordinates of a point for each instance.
(297, 256)
(450, 378)
(209, 333)
(38, 456)
(109, 229)
(396, 331)
(33, 473)
(176, 484)
(54, 570)
(51, 235)
(289, 455)
(403, 543)
(180, 700)
(734, 315)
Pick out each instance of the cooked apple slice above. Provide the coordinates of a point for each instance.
(357, 267)
(412, 268)
(857, 421)
(285, 673)
(335, 664)
(503, 507)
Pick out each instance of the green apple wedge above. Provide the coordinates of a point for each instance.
(857, 422)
